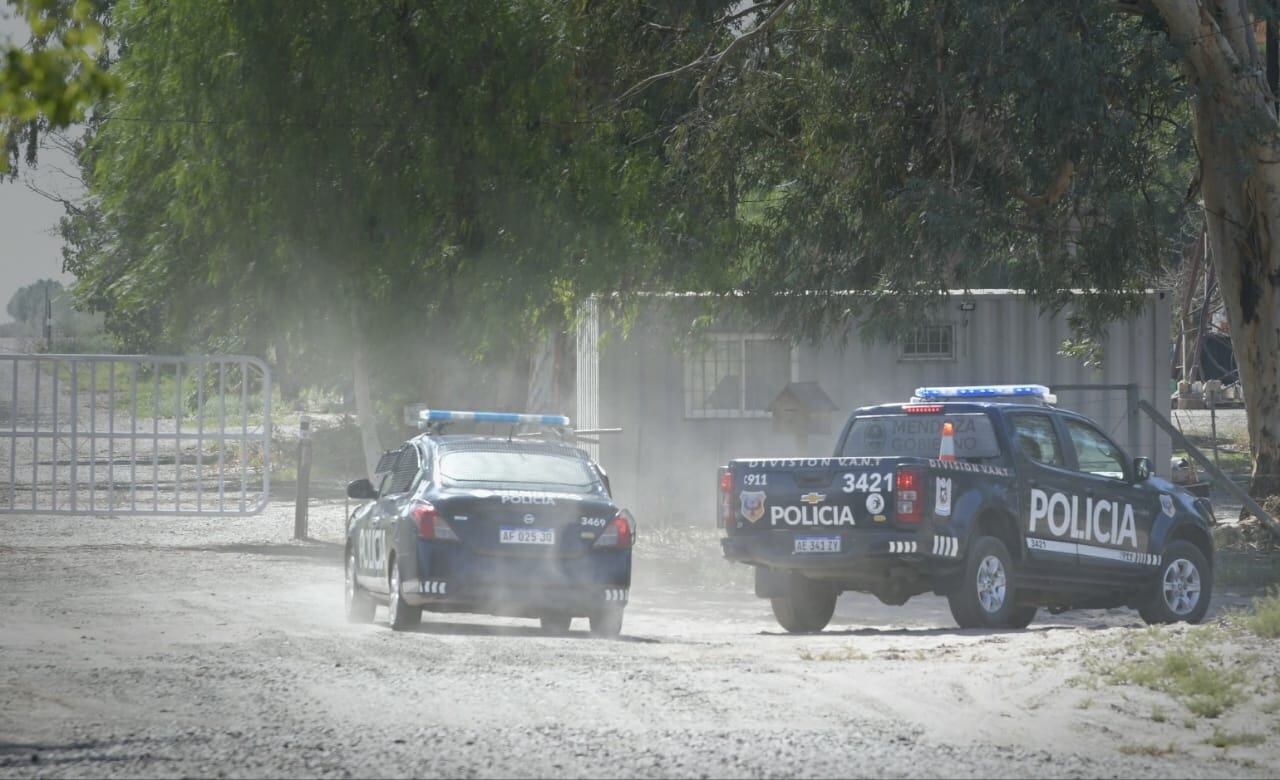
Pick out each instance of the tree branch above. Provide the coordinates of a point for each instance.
(717, 62)
(644, 83)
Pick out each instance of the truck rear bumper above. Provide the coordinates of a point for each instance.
(778, 550)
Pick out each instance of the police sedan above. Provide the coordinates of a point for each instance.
(503, 525)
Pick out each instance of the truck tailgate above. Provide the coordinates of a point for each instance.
(809, 493)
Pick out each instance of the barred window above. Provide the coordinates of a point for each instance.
(930, 342)
(736, 375)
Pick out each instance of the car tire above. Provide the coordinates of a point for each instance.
(1182, 588)
(556, 625)
(606, 621)
(359, 606)
(400, 615)
(807, 607)
(984, 597)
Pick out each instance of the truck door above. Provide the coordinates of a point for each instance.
(1113, 530)
(1045, 491)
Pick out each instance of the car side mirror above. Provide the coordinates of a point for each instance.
(361, 489)
(1141, 469)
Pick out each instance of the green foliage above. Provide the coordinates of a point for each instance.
(903, 149)
(431, 176)
(1264, 622)
(53, 81)
(28, 304)
(1191, 673)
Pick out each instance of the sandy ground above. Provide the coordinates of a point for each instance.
(217, 647)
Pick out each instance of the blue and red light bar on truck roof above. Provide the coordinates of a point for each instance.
(976, 392)
(429, 416)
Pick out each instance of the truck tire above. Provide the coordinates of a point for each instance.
(1181, 591)
(606, 622)
(807, 607)
(984, 597)
(1022, 617)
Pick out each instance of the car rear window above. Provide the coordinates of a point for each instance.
(920, 435)
(494, 467)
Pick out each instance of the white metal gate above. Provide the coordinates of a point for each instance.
(134, 434)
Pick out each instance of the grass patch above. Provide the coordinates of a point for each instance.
(1191, 673)
(1158, 715)
(1151, 751)
(1264, 622)
(1225, 739)
(846, 653)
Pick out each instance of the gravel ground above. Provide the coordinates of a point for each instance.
(216, 647)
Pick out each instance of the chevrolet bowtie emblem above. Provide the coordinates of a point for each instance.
(813, 498)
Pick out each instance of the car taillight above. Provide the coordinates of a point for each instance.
(621, 532)
(908, 491)
(727, 518)
(923, 409)
(431, 525)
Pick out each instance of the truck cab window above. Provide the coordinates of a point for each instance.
(1035, 436)
(1095, 454)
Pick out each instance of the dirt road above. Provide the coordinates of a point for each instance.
(161, 647)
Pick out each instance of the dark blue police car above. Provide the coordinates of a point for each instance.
(502, 525)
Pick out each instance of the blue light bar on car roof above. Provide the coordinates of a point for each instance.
(983, 391)
(440, 415)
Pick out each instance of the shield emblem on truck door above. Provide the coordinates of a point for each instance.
(752, 504)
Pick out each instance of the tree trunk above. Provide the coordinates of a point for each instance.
(1239, 146)
(364, 405)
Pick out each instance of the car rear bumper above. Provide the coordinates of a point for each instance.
(451, 577)
(876, 546)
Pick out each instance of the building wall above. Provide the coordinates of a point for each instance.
(663, 464)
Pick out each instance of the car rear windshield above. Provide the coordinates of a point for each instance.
(496, 467)
(920, 435)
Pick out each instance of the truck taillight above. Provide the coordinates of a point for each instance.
(923, 409)
(430, 524)
(621, 531)
(726, 517)
(908, 492)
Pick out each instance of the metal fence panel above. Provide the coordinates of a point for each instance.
(134, 434)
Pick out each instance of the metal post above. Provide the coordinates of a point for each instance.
(304, 478)
(1131, 405)
(1212, 397)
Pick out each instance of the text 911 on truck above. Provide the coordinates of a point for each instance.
(990, 496)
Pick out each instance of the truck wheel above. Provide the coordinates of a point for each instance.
(1183, 587)
(606, 622)
(808, 605)
(399, 614)
(985, 595)
(358, 604)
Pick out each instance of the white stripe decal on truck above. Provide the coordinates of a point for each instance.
(1092, 551)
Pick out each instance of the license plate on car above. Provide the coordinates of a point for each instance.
(527, 536)
(817, 544)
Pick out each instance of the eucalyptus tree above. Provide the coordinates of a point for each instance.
(907, 148)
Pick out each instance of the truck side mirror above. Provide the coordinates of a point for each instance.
(361, 489)
(1141, 469)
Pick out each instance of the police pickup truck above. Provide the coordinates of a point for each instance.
(990, 496)
(501, 525)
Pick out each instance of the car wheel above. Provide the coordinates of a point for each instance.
(1183, 587)
(807, 607)
(984, 597)
(606, 621)
(359, 606)
(399, 614)
(556, 625)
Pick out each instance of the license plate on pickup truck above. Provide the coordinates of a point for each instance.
(817, 544)
(510, 535)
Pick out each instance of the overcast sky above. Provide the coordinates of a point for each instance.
(29, 246)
